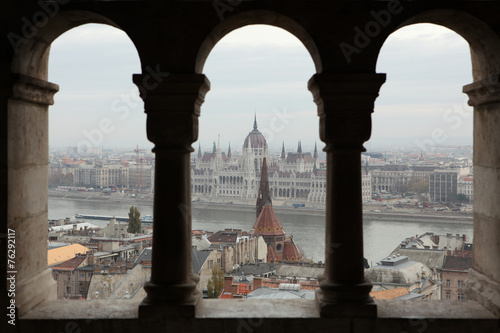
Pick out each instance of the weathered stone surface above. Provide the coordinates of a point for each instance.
(485, 290)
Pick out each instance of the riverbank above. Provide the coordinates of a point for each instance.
(393, 215)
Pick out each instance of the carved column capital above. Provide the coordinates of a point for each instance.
(173, 105)
(32, 90)
(345, 103)
(483, 92)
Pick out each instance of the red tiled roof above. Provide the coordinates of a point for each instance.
(267, 223)
(457, 263)
(305, 285)
(70, 265)
(272, 256)
(227, 237)
(226, 295)
(290, 251)
(389, 294)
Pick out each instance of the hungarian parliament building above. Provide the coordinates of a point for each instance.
(295, 178)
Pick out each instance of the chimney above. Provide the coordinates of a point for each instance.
(112, 269)
(97, 269)
(257, 283)
(234, 289)
(90, 258)
(130, 264)
(123, 269)
(228, 281)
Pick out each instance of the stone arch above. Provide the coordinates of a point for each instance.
(30, 98)
(31, 57)
(257, 17)
(483, 42)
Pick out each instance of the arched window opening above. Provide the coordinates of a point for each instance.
(419, 154)
(258, 98)
(98, 151)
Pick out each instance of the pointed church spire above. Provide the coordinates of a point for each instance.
(229, 151)
(299, 149)
(264, 196)
(315, 152)
(283, 156)
(215, 149)
(199, 150)
(255, 121)
(218, 144)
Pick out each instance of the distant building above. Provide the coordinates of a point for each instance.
(279, 247)
(399, 272)
(433, 251)
(72, 281)
(455, 272)
(465, 186)
(101, 176)
(61, 254)
(142, 176)
(256, 287)
(238, 248)
(443, 186)
(294, 177)
(397, 178)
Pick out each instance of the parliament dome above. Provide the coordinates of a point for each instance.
(255, 139)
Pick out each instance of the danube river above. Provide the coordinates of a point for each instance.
(380, 237)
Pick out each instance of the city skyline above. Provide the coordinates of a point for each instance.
(250, 74)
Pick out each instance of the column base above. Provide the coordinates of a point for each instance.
(40, 288)
(335, 300)
(483, 290)
(176, 301)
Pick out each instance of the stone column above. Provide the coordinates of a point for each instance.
(172, 105)
(483, 284)
(345, 103)
(28, 154)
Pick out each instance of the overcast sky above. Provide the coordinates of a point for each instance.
(262, 70)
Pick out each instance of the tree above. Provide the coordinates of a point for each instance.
(216, 282)
(420, 187)
(134, 220)
(462, 197)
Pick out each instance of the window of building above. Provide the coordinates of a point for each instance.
(448, 295)
(460, 296)
(460, 284)
(448, 283)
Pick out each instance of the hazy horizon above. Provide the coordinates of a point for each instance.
(260, 70)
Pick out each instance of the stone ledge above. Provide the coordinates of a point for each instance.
(260, 316)
(432, 309)
(129, 309)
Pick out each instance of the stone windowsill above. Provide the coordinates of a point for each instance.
(128, 309)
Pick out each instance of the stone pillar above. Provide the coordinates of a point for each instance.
(172, 105)
(345, 103)
(28, 153)
(483, 284)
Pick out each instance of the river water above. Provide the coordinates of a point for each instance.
(380, 237)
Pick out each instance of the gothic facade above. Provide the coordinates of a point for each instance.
(294, 177)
